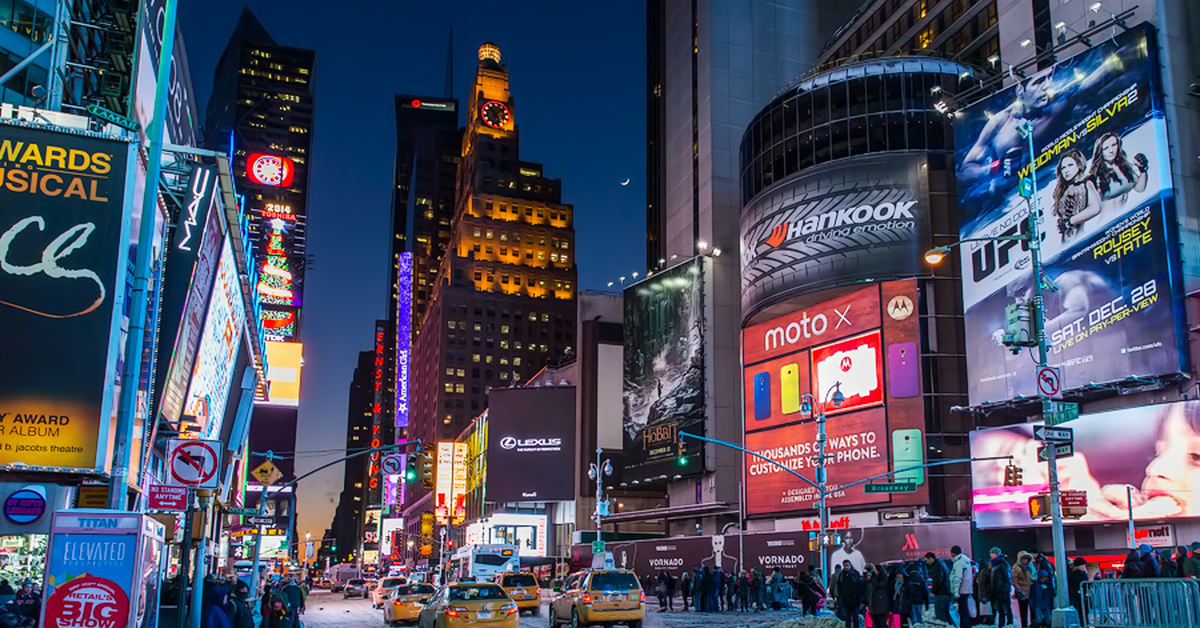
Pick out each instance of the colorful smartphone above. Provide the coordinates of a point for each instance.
(908, 450)
(762, 396)
(904, 370)
(789, 388)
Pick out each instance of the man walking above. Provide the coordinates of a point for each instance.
(1001, 596)
(962, 584)
(939, 587)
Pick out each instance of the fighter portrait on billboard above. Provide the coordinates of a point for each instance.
(1107, 231)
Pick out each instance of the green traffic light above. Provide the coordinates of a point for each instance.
(410, 475)
(683, 461)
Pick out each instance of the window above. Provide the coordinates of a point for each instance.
(458, 388)
(449, 371)
(461, 372)
(475, 358)
(545, 318)
(517, 360)
(449, 387)
(503, 344)
(451, 323)
(478, 326)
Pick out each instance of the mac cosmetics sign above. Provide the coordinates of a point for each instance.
(529, 432)
(858, 219)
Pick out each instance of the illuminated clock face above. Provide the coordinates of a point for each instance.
(272, 170)
(495, 114)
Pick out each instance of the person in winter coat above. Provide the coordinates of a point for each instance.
(775, 593)
(1191, 564)
(1166, 567)
(1075, 578)
(810, 592)
(27, 604)
(294, 596)
(1041, 600)
(1133, 565)
(237, 606)
(1022, 580)
(1181, 559)
(1002, 585)
(849, 594)
(983, 592)
(685, 588)
(708, 591)
(878, 598)
(756, 589)
(962, 584)
(939, 587)
(743, 592)
(278, 615)
(1148, 562)
(212, 611)
(901, 598)
(660, 589)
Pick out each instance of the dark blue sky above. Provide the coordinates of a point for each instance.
(578, 82)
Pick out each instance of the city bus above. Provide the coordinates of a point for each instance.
(481, 563)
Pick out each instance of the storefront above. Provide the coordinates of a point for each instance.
(25, 527)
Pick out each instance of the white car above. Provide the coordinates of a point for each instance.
(380, 593)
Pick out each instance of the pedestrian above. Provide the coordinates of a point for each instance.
(743, 592)
(902, 604)
(1075, 578)
(1022, 579)
(27, 605)
(708, 590)
(918, 592)
(939, 587)
(1191, 565)
(671, 592)
(1148, 562)
(278, 615)
(1001, 589)
(962, 584)
(212, 610)
(237, 606)
(1041, 563)
(730, 591)
(1167, 567)
(983, 592)
(1041, 600)
(849, 595)
(685, 588)
(775, 590)
(810, 592)
(878, 597)
(660, 590)
(720, 581)
(7, 593)
(1133, 565)
(756, 587)
(294, 597)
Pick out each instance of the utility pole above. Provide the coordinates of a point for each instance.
(597, 471)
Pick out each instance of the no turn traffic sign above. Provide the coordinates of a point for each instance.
(392, 464)
(1049, 382)
(192, 463)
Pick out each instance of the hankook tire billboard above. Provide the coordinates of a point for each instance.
(531, 444)
(856, 219)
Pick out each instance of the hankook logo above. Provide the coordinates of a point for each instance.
(531, 444)
(854, 216)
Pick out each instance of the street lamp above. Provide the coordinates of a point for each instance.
(598, 471)
(1064, 614)
(833, 395)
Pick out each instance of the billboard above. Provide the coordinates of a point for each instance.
(443, 481)
(1148, 449)
(216, 359)
(192, 266)
(861, 219)
(863, 343)
(665, 379)
(403, 339)
(64, 223)
(181, 96)
(1109, 239)
(284, 360)
(527, 532)
(531, 444)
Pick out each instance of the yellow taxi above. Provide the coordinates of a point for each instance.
(604, 597)
(469, 604)
(403, 603)
(523, 589)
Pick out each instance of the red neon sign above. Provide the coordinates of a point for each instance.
(272, 170)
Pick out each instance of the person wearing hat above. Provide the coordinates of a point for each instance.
(1001, 589)
(1022, 579)
(1191, 564)
(1075, 579)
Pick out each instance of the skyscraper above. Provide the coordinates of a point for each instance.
(261, 111)
(503, 304)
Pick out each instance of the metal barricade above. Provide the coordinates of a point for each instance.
(1142, 603)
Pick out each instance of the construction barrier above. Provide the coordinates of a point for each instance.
(1138, 603)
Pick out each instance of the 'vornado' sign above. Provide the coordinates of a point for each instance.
(864, 218)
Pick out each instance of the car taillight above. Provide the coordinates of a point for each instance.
(586, 599)
(642, 596)
(455, 611)
(509, 609)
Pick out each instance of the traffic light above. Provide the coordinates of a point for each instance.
(410, 473)
(425, 470)
(681, 453)
(1012, 475)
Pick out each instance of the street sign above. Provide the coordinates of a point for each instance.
(597, 547)
(1039, 506)
(193, 463)
(243, 512)
(261, 521)
(1049, 382)
(1061, 450)
(892, 487)
(392, 464)
(266, 473)
(111, 116)
(161, 497)
(1059, 413)
(1025, 187)
(1053, 434)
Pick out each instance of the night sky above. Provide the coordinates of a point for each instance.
(578, 83)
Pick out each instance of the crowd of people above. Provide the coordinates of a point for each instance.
(960, 592)
(19, 608)
(226, 604)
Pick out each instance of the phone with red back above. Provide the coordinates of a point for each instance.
(904, 370)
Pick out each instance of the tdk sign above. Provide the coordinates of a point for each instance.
(531, 444)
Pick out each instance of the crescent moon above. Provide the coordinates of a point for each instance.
(625, 183)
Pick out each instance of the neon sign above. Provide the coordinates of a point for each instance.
(270, 170)
(276, 284)
(403, 338)
(278, 210)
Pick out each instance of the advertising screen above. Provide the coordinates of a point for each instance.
(531, 438)
(1148, 449)
(665, 379)
(1109, 237)
(63, 226)
(403, 339)
(837, 224)
(219, 344)
(284, 360)
(443, 481)
(862, 343)
(458, 487)
(280, 282)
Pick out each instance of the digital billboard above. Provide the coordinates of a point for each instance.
(180, 126)
(665, 380)
(443, 482)
(863, 343)
(279, 282)
(1109, 239)
(836, 224)
(64, 224)
(531, 444)
(1146, 452)
(216, 359)
(284, 361)
(403, 339)
(270, 170)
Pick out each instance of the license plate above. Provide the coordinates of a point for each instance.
(484, 615)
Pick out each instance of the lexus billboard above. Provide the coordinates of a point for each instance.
(531, 444)
(866, 219)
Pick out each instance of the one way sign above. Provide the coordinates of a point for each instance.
(1053, 434)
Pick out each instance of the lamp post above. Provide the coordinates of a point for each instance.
(833, 395)
(1064, 614)
(597, 471)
